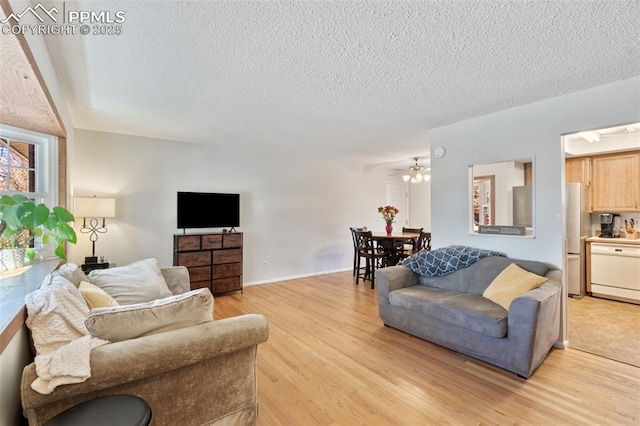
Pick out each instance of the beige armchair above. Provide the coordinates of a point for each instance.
(199, 375)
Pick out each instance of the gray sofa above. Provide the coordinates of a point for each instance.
(450, 311)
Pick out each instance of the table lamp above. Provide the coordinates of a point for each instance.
(94, 209)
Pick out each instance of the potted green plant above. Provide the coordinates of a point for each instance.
(22, 220)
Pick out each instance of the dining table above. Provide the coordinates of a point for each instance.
(393, 243)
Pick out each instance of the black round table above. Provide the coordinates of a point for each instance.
(111, 410)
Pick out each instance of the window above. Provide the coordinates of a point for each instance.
(17, 165)
(28, 165)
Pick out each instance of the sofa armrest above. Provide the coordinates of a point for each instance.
(534, 321)
(394, 278)
(537, 306)
(177, 279)
(135, 359)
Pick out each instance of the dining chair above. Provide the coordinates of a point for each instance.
(374, 257)
(423, 243)
(355, 247)
(410, 243)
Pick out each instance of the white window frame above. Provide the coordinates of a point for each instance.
(46, 166)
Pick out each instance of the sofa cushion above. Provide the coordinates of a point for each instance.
(458, 281)
(476, 278)
(464, 310)
(125, 322)
(138, 282)
(95, 296)
(511, 283)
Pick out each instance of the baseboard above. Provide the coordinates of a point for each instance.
(561, 344)
(294, 277)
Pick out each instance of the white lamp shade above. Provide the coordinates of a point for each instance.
(94, 207)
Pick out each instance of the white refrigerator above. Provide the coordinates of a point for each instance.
(578, 229)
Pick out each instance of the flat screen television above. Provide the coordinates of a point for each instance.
(208, 210)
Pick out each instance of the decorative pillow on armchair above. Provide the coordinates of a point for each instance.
(95, 296)
(125, 322)
(138, 282)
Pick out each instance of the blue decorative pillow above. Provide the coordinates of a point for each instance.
(445, 260)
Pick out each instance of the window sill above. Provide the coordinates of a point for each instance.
(14, 286)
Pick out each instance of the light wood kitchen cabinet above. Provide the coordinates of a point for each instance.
(578, 170)
(615, 182)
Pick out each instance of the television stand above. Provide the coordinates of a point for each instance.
(214, 260)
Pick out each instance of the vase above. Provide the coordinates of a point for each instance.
(12, 258)
(389, 228)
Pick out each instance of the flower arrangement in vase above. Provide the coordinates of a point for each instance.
(389, 215)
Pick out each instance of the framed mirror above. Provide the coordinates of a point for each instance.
(501, 198)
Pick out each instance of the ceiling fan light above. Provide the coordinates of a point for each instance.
(416, 173)
(427, 178)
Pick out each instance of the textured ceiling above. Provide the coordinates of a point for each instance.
(360, 81)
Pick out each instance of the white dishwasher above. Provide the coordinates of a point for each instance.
(615, 271)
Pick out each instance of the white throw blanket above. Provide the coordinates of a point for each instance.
(55, 315)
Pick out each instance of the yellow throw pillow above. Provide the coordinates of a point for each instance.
(511, 283)
(95, 296)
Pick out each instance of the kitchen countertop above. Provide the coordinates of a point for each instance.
(630, 241)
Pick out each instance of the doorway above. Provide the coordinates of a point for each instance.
(398, 196)
(604, 327)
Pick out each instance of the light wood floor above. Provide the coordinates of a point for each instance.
(329, 360)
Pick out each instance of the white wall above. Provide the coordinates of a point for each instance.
(295, 212)
(420, 205)
(529, 131)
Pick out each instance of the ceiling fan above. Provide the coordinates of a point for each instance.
(416, 173)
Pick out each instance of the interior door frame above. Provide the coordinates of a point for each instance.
(403, 205)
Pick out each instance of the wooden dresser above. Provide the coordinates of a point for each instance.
(214, 260)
